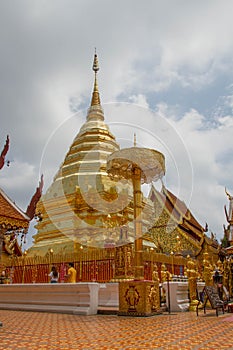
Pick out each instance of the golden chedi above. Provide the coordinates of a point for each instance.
(83, 206)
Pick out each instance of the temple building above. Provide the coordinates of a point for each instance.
(176, 230)
(85, 207)
(14, 222)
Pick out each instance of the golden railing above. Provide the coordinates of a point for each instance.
(91, 265)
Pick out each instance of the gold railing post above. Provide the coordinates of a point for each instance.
(80, 262)
(24, 256)
(50, 261)
(172, 257)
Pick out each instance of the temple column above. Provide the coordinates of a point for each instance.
(136, 178)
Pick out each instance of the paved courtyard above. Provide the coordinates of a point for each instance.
(39, 330)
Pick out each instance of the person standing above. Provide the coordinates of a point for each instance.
(72, 273)
(54, 275)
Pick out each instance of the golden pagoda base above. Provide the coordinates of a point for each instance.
(135, 299)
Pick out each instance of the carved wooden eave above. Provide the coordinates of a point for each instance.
(11, 216)
(185, 222)
(189, 238)
(211, 242)
(229, 250)
(12, 219)
(211, 245)
(186, 218)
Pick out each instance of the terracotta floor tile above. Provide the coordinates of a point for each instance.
(50, 331)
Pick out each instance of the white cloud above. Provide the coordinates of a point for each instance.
(207, 149)
(226, 122)
(139, 100)
(19, 181)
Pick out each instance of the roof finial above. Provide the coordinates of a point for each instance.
(134, 140)
(228, 194)
(95, 66)
(95, 95)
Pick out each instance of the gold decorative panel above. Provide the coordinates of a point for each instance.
(136, 298)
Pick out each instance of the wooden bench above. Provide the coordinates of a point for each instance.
(210, 293)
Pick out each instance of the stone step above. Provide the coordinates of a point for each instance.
(107, 310)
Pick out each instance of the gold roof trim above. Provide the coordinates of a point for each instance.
(190, 239)
(13, 223)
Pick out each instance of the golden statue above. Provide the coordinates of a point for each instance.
(165, 275)
(192, 275)
(220, 267)
(207, 270)
(154, 297)
(155, 275)
(226, 274)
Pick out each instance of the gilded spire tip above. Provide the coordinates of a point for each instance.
(95, 66)
(134, 140)
(95, 95)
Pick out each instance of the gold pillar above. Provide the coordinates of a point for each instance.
(172, 257)
(139, 268)
(1, 243)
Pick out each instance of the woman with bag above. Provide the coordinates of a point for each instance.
(54, 275)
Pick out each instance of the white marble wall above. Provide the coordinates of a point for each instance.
(76, 298)
(109, 295)
(80, 298)
(179, 300)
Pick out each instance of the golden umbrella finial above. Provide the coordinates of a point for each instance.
(95, 66)
(134, 140)
(95, 95)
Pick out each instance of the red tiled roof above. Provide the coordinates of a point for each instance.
(11, 213)
(183, 210)
(179, 212)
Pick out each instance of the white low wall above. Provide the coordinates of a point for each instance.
(109, 295)
(179, 299)
(79, 298)
(75, 298)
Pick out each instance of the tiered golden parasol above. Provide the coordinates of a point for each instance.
(142, 166)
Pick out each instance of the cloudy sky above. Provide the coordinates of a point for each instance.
(165, 73)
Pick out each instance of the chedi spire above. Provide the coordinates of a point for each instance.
(95, 95)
